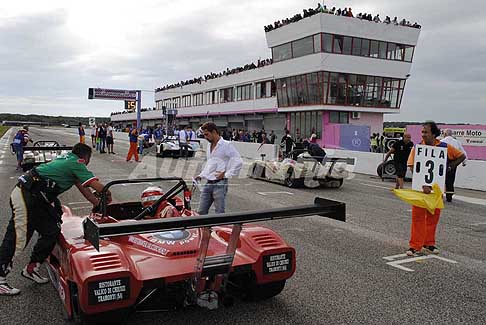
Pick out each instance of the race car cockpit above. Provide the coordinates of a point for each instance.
(154, 203)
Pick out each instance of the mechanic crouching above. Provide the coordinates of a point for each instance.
(35, 207)
(315, 151)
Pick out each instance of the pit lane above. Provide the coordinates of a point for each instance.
(341, 277)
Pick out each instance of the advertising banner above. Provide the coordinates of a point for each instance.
(469, 137)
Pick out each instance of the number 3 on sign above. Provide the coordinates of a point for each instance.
(429, 166)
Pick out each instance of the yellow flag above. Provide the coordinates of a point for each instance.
(430, 201)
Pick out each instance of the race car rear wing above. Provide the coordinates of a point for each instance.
(53, 148)
(47, 145)
(322, 207)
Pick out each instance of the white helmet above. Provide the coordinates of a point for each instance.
(150, 195)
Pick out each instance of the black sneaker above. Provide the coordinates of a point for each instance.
(431, 249)
(31, 272)
(411, 252)
(6, 289)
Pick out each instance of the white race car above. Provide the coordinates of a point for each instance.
(42, 152)
(171, 147)
(305, 171)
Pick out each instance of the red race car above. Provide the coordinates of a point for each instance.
(128, 257)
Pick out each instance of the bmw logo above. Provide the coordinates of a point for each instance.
(172, 235)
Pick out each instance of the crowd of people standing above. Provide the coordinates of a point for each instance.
(346, 12)
(102, 137)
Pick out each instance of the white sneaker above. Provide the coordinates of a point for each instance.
(6, 290)
(31, 272)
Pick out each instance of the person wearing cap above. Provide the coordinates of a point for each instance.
(35, 207)
(223, 162)
(19, 142)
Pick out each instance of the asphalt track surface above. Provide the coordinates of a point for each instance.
(342, 276)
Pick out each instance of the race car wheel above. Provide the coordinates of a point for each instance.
(290, 180)
(386, 169)
(27, 167)
(264, 291)
(77, 316)
(258, 171)
(332, 183)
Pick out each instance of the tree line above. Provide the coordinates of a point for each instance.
(50, 120)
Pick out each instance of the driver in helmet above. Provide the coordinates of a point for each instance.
(165, 210)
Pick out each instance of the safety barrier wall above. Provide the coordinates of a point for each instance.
(472, 176)
(252, 150)
(469, 177)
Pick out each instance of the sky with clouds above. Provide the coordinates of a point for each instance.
(52, 51)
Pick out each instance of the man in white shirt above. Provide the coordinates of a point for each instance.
(223, 162)
(184, 142)
(451, 173)
(110, 138)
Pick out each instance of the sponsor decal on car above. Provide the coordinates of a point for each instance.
(277, 263)
(173, 237)
(108, 290)
(148, 245)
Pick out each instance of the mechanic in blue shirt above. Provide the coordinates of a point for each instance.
(19, 142)
(35, 207)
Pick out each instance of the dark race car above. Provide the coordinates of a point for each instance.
(116, 261)
(42, 152)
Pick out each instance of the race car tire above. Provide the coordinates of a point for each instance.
(27, 167)
(290, 180)
(386, 169)
(264, 291)
(258, 171)
(332, 183)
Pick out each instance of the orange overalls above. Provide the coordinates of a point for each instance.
(425, 223)
(133, 145)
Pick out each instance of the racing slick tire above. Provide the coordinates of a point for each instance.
(386, 169)
(332, 183)
(27, 167)
(257, 292)
(257, 171)
(290, 180)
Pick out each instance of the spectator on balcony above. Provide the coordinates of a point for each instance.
(395, 21)
(377, 19)
(387, 20)
(350, 13)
